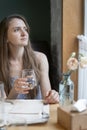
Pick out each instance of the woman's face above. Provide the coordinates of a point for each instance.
(17, 33)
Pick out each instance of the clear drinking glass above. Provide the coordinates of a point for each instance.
(2, 109)
(31, 77)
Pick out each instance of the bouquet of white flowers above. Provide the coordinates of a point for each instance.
(73, 63)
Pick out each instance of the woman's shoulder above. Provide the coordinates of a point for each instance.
(42, 60)
(40, 55)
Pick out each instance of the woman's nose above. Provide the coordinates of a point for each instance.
(23, 32)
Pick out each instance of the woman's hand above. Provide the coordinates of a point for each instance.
(52, 96)
(21, 86)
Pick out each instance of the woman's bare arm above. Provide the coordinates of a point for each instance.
(50, 96)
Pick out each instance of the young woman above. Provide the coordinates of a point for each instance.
(17, 54)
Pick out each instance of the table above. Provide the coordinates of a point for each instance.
(52, 122)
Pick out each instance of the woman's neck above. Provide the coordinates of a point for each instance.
(16, 54)
(16, 58)
(15, 66)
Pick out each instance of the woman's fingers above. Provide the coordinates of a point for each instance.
(52, 97)
(21, 86)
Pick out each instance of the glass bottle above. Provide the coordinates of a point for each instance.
(66, 90)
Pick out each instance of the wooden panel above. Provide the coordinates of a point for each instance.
(72, 26)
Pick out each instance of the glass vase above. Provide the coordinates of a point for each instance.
(66, 90)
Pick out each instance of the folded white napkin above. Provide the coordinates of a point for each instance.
(33, 111)
(80, 105)
(27, 107)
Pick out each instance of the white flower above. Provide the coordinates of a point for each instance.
(72, 63)
(83, 62)
(73, 54)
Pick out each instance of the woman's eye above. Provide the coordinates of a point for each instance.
(16, 29)
(19, 29)
(26, 29)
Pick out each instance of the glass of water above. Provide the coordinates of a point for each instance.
(31, 77)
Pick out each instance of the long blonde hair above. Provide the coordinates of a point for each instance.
(29, 59)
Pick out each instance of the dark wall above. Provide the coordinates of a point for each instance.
(37, 13)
